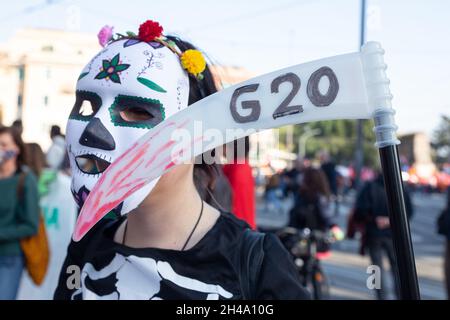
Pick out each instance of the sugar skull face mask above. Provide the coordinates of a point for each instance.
(125, 90)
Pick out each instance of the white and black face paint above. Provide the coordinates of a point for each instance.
(125, 90)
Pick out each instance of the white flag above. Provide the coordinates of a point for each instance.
(350, 86)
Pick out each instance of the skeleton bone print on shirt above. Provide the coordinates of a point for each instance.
(126, 74)
(137, 278)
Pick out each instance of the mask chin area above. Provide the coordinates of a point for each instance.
(91, 164)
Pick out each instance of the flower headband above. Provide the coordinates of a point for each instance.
(191, 60)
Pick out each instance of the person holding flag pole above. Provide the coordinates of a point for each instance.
(140, 141)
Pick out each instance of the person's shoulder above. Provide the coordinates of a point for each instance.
(101, 227)
(63, 179)
(229, 169)
(59, 141)
(30, 177)
(230, 226)
(272, 244)
(92, 237)
(279, 271)
(230, 219)
(26, 170)
(247, 168)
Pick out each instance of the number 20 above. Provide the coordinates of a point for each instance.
(284, 109)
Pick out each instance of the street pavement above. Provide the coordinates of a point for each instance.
(346, 269)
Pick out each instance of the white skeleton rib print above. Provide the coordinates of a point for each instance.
(137, 278)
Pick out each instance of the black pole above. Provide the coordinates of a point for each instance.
(359, 154)
(406, 267)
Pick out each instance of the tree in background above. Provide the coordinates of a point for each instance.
(441, 141)
(338, 137)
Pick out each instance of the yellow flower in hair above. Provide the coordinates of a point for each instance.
(193, 62)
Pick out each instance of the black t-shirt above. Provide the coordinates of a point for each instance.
(208, 270)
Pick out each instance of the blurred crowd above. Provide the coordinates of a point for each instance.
(33, 183)
(316, 189)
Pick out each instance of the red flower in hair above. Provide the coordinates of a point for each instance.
(149, 30)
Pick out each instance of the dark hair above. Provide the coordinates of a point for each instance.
(204, 174)
(314, 184)
(36, 158)
(18, 126)
(55, 131)
(17, 138)
(17, 123)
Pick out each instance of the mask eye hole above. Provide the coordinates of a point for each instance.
(86, 105)
(86, 109)
(135, 114)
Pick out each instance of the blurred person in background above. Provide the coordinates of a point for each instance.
(60, 213)
(443, 224)
(329, 168)
(36, 159)
(447, 251)
(371, 210)
(18, 126)
(19, 209)
(273, 194)
(239, 174)
(57, 150)
(332, 175)
(293, 177)
(313, 209)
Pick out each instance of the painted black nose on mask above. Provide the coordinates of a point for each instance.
(97, 136)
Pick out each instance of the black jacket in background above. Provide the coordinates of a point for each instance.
(329, 168)
(371, 202)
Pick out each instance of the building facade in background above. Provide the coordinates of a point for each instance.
(415, 156)
(38, 73)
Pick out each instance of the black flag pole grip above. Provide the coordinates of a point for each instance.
(380, 97)
(401, 236)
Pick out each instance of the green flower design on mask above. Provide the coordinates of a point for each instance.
(111, 69)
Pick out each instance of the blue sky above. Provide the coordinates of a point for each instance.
(263, 35)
